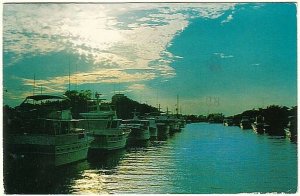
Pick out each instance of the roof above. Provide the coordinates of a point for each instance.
(42, 97)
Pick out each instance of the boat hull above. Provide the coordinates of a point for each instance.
(163, 131)
(258, 128)
(108, 140)
(153, 133)
(49, 151)
(245, 125)
(138, 135)
(174, 127)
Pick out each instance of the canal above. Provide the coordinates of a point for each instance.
(202, 158)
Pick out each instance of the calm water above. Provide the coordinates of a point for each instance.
(202, 158)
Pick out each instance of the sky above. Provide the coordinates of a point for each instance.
(216, 57)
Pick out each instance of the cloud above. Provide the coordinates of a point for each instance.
(223, 56)
(258, 5)
(59, 84)
(98, 30)
(228, 19)
(137, 87)
(115, 39)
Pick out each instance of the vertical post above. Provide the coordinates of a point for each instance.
(76, 76)
(33, 84)
(69, 75)
(177, 105)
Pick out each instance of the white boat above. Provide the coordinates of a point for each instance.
(98, 110)
(108, 137)
(163, 126)
(291, 129)
(140, 130)
(174, 123)
(152, 126)
(46, 134)
(259, 126)
(228, 122)
(245, 123)
(104, 127)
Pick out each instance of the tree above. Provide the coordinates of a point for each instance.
(277, 117)
(78, 101)
(125, 107)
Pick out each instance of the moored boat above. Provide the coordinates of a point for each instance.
(152, 128)
(228, 122)
(163, 127)
(140, 132)
(103, 126)
(259, 126)
(174, 123)
(245, 123)
(291, 129)
(44, 133)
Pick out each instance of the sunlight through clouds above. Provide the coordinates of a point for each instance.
(93, 29)
(105, 76)
(114, 39)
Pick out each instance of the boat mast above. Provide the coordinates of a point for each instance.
(97, 95)
(33, 89)
(76, 77)
(177, 105)
(69, 75)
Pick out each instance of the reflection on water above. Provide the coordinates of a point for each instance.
(203, 158)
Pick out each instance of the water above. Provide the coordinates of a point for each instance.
(202, 158)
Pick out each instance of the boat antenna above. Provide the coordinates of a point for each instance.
(177, 105)
(33, 89)
(76, 76)
(97, 95)
(69, 75)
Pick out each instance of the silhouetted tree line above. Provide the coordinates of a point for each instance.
(195, 118)
(78, 101)
(125, 107)
(215, 118)
(277, 117)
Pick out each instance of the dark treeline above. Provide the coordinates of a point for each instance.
(123, 105)
(78, 101)
(276, 116)
(213, 118)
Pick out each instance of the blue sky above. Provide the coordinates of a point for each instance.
(218, 57)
